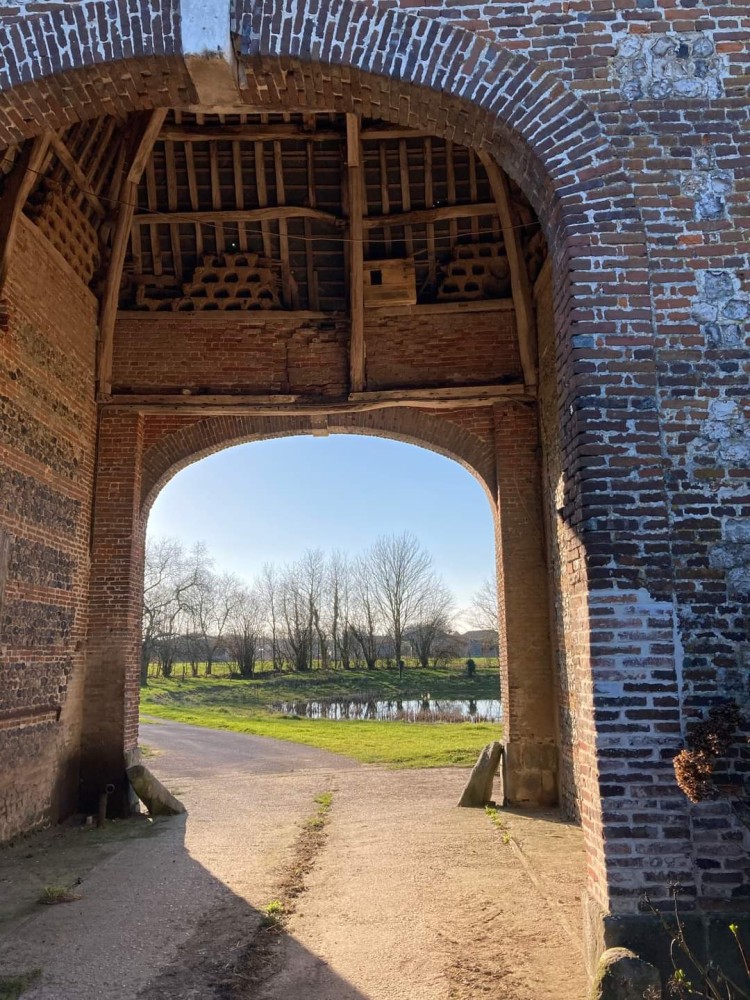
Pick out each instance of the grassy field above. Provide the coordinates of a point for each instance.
(246, 706)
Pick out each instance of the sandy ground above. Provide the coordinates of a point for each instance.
(408, 897)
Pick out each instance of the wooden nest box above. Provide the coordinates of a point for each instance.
(390, 283)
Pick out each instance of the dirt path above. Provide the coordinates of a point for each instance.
(407, 896)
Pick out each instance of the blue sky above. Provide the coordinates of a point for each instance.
(270, 500)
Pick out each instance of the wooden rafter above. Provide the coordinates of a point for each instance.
(519, 278)
(145, 131)
(355, 174)
(18, 187)
(426, 216)
(82, 182)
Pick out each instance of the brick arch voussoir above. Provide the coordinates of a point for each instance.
(177, 450)
(83, 60)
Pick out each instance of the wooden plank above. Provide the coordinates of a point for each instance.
(76, 174)
(259, 151)
(313, 299)
(4, 562)
(403, 166)
(147, 126)
(271, 213)
(288, 285)
(449, 397)
(174, 228)
(450, 176)
(429, 200)
(292, 317)
(355, 175)
(247, 133)
(194, 200)
(213, 156)
(145, 130)
(153, 229)
(424, 216)
(385, 197)
(519, 277)
(18, 186)
(239, 192)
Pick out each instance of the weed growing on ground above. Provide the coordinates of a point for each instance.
(497, 820)
(273, 915)
(11, 987)
(53, 894)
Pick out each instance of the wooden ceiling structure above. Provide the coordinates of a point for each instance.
(315, 214)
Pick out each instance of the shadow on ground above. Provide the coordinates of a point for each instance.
(151, 921)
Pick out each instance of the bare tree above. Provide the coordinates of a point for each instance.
(269, 596)
(484, 606)
(169, 579)
(401, 572)
(365, 619)
(245, 629)
(434, 619)
(297, 620)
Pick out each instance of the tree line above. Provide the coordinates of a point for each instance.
(326, 608)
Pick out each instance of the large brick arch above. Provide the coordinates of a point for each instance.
(448, 437)
(423, 73)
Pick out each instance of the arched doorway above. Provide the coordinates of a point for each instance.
(461, 89)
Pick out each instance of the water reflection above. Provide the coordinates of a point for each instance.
(423, 709)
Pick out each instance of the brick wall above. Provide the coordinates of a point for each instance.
(46, 468)
(261, 354)
(624, 121)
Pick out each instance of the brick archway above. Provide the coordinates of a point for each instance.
(423, 73)
(453, 438)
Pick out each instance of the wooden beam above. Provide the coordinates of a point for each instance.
(18, 187)
(77, 175)
(519, 277)
(425, 216)
(271, 213)
(145, 130)
(446, 397)
(355, 174)
(246, 133)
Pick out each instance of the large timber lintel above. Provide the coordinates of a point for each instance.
(261, 405)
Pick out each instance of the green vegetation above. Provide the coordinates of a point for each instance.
(273, 914)
(497, 820)
(245, 706)
(11, 987)
(53, 894)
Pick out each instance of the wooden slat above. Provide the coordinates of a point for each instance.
(269, 214)
(385, 197)
(313, 299)
(288, 285)
(355, 174)
(239, 193)
(18, 186)
(76, 174)
(450, 177)
(247, 133)
(194, 201)
(519, 277)
(262, 189)
(424, 216)
(174, 228)
(145, 130)
(213, 156)
(429, 200)
(403, 167)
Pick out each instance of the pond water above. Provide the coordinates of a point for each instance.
(405, 710)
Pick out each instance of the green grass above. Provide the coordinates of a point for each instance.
(12, 987)
(243, 706)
